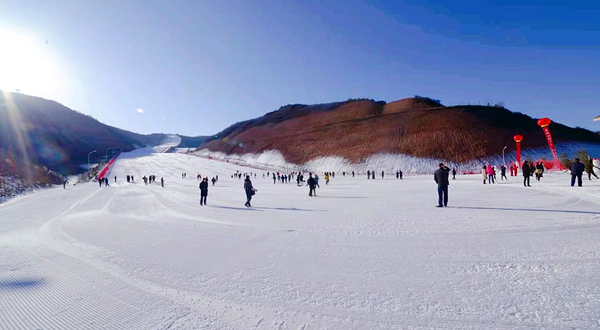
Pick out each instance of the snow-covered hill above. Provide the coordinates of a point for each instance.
(364, 254)
(274, 160)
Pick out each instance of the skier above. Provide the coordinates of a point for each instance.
(454, 173)
(527, 170)
(274, 178)
(441, 178)
(250, 191)
(115, 179)
(577, 169)
(162, 182)
(490, 174)
(65, 184)
(503, 173)
(589, 168)
(539, 170)
(382, 174)
(368, 174)
(213, 180)
(317, 180)
(312, 185)
(326, 178)
(397, 175)
(203, 191)
(352, 173)
(484, 174)
(401, 174)
(128, 178)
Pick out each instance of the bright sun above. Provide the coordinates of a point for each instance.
(26, 65)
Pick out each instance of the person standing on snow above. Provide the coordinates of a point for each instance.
(577, 169)
(382, 174)
(527, 171)
(317, 180)
(454, 173)
(441, 178)
(490, 174)
(250, 191)
(503, 173)
(115, 179)
(65, 183)
(162, 182)
(312, 185)
(203, 191)
(484, 174)
(539, 170)
(326, 178)
(368, 174)
(589, 168)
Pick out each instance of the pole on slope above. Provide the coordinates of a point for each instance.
(503, 160)
(91, 152)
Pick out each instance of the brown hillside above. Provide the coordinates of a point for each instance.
(358, 129)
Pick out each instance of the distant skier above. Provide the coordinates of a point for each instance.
(317, 180)
(589, 168)
(213, 180)
(274, 178)
(441, 178)
(368, 174)
(453, 173)
(577, 169)
(115, 179)
(397, 175)
(352, 173)
(527, 171)
(65, 183)
(382, 174)
(539, 170)
(162, 182)
(484, 174)
(503, 173)
(250, 191)
(401, 174)
(128, 178)
(326, 178)
(490, 174)
(203, 191)
(312, 185)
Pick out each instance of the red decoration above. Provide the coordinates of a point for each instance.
(544, 123)
(518, 139)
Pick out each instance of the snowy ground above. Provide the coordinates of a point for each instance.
(363, 255)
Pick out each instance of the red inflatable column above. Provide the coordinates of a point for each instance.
(518, 139)
(544, 123)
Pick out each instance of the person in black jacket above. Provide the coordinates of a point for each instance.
(312, 185)
(577, 169)
(527, 170)
(250, 191)
(203, 191)
(441, 178)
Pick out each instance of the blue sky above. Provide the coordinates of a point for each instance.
(196, 67)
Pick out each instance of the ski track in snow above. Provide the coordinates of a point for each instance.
(364, 254)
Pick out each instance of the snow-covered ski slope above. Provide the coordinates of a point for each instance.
(364, 254)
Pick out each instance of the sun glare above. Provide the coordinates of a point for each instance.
(26, 65)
